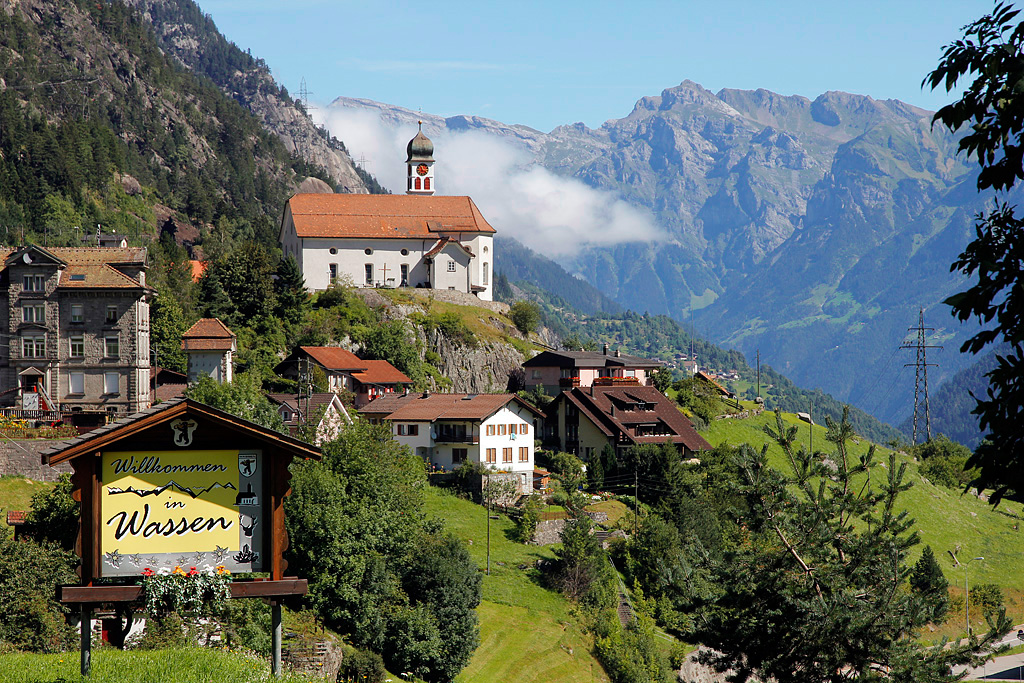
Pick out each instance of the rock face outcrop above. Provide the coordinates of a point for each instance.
(191, 37)
(481, 370)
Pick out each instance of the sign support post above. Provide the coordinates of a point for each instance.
(86, 638)
(275, 618)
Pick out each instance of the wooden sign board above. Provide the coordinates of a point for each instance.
(181, 485)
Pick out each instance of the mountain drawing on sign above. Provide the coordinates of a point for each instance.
(194, 492)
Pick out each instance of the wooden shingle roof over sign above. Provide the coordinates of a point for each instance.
(178, 483)
(375, 216)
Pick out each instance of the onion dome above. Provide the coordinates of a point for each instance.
(420, 148)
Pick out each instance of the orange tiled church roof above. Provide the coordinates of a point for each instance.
(384, 216)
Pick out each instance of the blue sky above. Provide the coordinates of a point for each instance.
(543, 64)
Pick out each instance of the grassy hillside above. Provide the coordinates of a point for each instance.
(945, 517)
(16, 494)
(527, 633)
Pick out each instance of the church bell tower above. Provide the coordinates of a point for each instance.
(420, 163)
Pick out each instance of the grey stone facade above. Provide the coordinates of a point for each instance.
(84, 340)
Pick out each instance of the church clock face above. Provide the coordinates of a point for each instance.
(422, 169)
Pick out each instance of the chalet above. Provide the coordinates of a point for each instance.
(411, 240)
(585, 420)
(346, 371)
(557, 371)
(326, 409)
(448, 430)
(713, 384)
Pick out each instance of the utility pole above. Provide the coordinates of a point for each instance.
(487, 495)
(304, 94)
(636, 499)
(759, 372)
(921, 365)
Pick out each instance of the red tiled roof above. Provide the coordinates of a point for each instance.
(198, 268)
(383, 216)
(420, 408)
(610, 409)
(444, 242)
(208, 334)
(166, 392)
(209, 328)
(381, 372)
(317, 402)
(15, 517)
(95, 276)
(335, 358)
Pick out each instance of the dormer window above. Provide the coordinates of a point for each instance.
(33, 283)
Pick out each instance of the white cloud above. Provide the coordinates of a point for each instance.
(554, 215)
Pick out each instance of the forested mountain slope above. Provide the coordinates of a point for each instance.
(185, 32)
(98, 126)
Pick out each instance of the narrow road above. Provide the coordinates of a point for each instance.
(1007, 668)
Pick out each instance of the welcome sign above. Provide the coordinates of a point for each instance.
(187, 508)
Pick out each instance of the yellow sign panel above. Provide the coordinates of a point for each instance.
(169, 501)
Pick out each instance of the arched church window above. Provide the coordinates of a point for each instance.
(417, 183)
(485, 272)
(426, 183)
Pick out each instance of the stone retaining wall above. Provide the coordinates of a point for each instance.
(21, 458)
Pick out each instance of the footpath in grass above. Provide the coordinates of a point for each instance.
(527, 632)
(186, 665)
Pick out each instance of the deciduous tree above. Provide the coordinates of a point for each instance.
(992, 54)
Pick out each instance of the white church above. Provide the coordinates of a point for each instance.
(411, 240)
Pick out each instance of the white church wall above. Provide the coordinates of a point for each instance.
(444, 278)
(351, 260)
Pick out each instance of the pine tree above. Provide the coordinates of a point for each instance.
(817, 589)
(292, 299)
(928, 581)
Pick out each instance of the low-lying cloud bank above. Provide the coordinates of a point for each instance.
(553, 215)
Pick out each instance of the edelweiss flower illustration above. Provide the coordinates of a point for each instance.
(219, 554)
(114, 558)
(135, 559)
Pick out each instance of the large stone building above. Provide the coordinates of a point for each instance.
(76, 327)
(412, 240)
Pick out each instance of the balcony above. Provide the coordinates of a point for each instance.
(616, 382)
(452, 437)
(568, 382)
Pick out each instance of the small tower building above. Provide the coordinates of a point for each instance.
(210, 347)
(420, 163)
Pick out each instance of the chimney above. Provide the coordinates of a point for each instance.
(618, 353)
(606, 349)
(613, 410)
(426, 393)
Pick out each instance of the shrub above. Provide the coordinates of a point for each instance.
(526, 525)
(361, 666)
(31, 619)
(988, 597)
(525, 316)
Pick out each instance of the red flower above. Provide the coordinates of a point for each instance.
(147, 572)
(192, 571)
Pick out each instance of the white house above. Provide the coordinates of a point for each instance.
(448, 430)
(411, 240)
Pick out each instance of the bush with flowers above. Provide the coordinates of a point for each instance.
(189, 592)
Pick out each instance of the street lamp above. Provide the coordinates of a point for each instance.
(967, 596)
